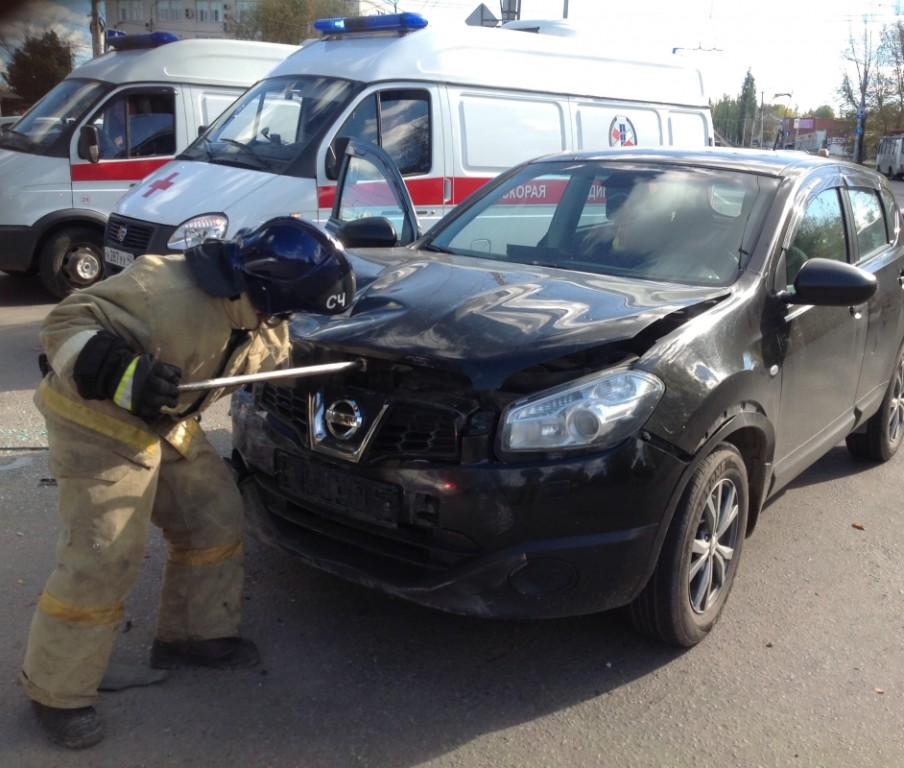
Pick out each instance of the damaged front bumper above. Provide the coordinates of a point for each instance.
(532, 540)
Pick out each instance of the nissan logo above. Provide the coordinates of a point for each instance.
(121, 233)
(343, 419)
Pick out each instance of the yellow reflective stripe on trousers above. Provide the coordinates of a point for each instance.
(209, 556)
(182, 436)
(97, 421)
(101, 614)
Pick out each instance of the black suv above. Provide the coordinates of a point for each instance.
(578, 390)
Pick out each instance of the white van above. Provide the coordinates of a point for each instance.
(890, 157)
(111, 122)
(452, 106)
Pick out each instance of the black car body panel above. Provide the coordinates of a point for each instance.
(409, 476)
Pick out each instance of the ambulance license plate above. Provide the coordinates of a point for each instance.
(118, 258)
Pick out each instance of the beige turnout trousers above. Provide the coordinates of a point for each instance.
(107, 501)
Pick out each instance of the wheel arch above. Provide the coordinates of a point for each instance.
(748, 430)
(751, 433)
(56, 221)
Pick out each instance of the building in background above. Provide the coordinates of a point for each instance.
(185, 18)
(810, 134)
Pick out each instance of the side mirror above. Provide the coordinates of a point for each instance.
(201, 129)
(89, 144)
(369, 232)
(334, 156)
(828, 283)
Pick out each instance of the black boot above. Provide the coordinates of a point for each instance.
(72, 728)
(220, 653)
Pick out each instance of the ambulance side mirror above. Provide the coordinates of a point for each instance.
(334, 154)
(88, 144)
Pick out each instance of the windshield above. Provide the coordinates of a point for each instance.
(275, 123)
(670, 224)
(47, 127)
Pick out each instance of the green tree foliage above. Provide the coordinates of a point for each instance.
(747, 110)
(38, 65)
(823, 112)
(738, 120)
(286, 21)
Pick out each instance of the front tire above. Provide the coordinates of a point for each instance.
(885, 428)
(71, 259)
(699, 558)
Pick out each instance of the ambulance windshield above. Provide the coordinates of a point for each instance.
(47, 127)
(274, 124)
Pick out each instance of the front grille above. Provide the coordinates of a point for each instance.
(137, 234)
(408, 430)
(413, 432)
(290, 405)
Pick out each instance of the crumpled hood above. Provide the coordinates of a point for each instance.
(487, 319)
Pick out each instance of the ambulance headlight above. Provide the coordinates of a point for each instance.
(593, 412)
(198, 229)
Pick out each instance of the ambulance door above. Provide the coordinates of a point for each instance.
(406, 121)
(135, 132)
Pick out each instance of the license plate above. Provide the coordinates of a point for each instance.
(357, 497)
(118, 258)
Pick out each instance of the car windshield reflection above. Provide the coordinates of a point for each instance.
(673, 225)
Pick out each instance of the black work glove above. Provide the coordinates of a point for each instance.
(107, 368)
(147, 385)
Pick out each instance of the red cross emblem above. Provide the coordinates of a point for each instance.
(161, 184)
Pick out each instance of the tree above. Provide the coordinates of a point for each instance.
(863, 56)
(747, 110)
(38, 65)
(285, 21)
(824, 112)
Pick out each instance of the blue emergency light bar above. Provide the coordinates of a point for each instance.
(123, 42)
(401, 22)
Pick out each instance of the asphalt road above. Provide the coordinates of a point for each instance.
(804, 669)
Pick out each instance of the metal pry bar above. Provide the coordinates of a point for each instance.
(283, 373)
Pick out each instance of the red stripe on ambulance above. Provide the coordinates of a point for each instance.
(116, 170)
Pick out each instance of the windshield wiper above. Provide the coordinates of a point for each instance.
(9, 133)
(436, 249)
(259, 162)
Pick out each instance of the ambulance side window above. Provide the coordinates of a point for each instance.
(137, 124)
(399, 122)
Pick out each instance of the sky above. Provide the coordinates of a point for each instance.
(789, 46)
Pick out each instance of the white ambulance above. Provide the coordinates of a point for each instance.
(111, 122)
(453, 107)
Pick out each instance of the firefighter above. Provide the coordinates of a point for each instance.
(127, 450)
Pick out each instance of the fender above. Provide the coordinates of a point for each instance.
(753, 435)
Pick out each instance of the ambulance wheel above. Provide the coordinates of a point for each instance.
(71, 259)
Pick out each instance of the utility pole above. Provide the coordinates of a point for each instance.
(511, 10)
(762, 114)
(97, 29)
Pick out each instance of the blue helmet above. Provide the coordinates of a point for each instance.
(290, 265)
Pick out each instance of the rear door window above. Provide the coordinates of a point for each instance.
(869, 221)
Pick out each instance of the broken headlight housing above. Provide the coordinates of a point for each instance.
(592, 412)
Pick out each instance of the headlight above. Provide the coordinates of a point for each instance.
(195, 231)
(591, 412)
